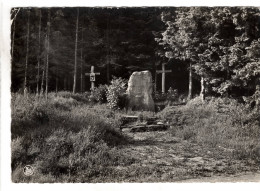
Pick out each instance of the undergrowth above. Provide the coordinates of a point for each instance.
(68, 138)
(218, 123)
(63, 140)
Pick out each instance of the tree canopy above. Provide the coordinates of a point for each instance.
(221, 42)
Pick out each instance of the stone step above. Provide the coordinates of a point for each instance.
(144, 128)
(130, 119)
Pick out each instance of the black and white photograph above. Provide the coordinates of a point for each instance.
(135, 94)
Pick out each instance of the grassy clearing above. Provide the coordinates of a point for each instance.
(222, 123)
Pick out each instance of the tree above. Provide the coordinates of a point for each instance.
(233, 32)
(125, 44)
(27, 53)
(14, 13)
(185, 36)
(48, 50)
(76, 49)
(81, 63)
(39, 53)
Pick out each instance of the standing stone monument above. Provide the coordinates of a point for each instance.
(139, 91)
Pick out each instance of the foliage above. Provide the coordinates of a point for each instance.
(217, 123)
(158, 96)
(70, 142)
(115, 92)
(221, 43)
(99, 93)
(171, 96)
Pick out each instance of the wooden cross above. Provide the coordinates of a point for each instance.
(163, 71)
(92, 75)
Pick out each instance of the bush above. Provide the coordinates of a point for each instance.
(99, 94)
(115, 91)
(64, 94)
(171, 96)
(67, 153)
(80, 97)
(157, 96)
(63, 140)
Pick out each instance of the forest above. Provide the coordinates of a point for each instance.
(205, 126)
(218, 47)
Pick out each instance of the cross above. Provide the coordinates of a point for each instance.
(92, 75)
(163, 71)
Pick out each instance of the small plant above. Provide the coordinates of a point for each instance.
(115, 91)
(99, 94)
(140, 117)
(157, 96)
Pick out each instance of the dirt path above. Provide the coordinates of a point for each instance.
(246, 177)
(160, 157)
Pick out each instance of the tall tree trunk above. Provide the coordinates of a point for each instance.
(48, 51)
(12, 53)
(81, 63)
(42, 83)
(190, 82)
(108, 50)
(39, 52)
(43, 69)
(257, 93)
(56, 67)
(13, 36)
(13, 41)
(202, 91)
(69, 84)
(76, 49)
(27, 52)
(56, 89)
(64, 84)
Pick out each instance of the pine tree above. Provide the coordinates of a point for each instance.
(39, 53)
(47, 54)
(76, 49)
(27, 53)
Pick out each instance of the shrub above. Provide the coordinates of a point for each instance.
(64, 94)
(63, 103)
(80, 97)
(39, 114)
(99, 93)
(186, 133)
(73, 142)
(171, 96)
(115, 91)
(157, 96)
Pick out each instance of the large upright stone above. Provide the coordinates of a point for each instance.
(139, 91)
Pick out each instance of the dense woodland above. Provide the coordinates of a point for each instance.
(212, 51)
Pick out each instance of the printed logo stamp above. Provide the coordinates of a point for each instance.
(28, 170)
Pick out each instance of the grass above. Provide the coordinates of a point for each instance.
(222, 123)
(63, 140)
(67, 138)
